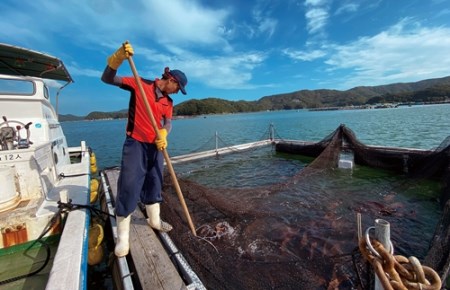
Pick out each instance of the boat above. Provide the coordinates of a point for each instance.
(46, 186)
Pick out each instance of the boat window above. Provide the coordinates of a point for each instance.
(16, 87)
(46, 93)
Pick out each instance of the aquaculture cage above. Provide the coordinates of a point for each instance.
(284, 216)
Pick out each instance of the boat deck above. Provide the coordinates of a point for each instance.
(148, 265)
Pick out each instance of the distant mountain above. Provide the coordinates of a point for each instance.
(95, 116)
(107, 115)
(64, 118)
(425, 91)
(356, 96)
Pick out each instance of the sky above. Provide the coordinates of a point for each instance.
(234, 49)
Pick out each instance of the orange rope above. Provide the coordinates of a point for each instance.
(398, 272)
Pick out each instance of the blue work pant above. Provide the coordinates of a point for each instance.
(141, 176)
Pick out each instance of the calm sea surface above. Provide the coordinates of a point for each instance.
(415, 127)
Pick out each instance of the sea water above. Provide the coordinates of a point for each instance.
(423, 127)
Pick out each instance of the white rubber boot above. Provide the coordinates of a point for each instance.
(123, 236)
(154, 220)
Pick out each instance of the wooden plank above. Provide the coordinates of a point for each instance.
(155, 269)
(153, 266)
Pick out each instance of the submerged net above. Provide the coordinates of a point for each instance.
(300, 232)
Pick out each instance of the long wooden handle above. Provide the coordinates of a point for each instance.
(166, 155)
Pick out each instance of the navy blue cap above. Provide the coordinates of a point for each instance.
(181, 79)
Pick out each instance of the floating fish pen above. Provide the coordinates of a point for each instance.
(283, 214)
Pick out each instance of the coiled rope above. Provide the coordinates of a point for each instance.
(396, 271)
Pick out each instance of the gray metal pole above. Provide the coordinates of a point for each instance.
(217, 144)
(383, 235)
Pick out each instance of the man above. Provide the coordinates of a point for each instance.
(141, 173)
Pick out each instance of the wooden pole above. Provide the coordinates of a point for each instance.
(166, 155)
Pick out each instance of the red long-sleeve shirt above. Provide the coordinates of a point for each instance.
(139, 125)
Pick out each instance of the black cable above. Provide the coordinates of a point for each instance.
(73, 175)
(51, 223)
(69, 206)
(63, 207)
(47, 259)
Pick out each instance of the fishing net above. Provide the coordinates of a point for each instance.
(300, 232)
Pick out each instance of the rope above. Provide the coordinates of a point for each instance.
(205, 146)
(399, 272)
(69, 206)
(211, 143)
(276, 135)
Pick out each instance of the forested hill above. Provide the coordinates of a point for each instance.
(426, 91)
(432, 90)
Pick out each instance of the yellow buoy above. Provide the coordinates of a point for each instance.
(93, 161)
(95, 249)
(94, 190)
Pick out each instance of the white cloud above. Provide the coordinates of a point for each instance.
(263, 19)
(268, 25)
(304, 55)
(316, 2)
(316, 15)
(224, 72)
(396, 55)
(75, 70)
(180, 21)
(348, 7)
(223, 47)
(317, 19)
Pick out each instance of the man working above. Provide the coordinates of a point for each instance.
(141, 174)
